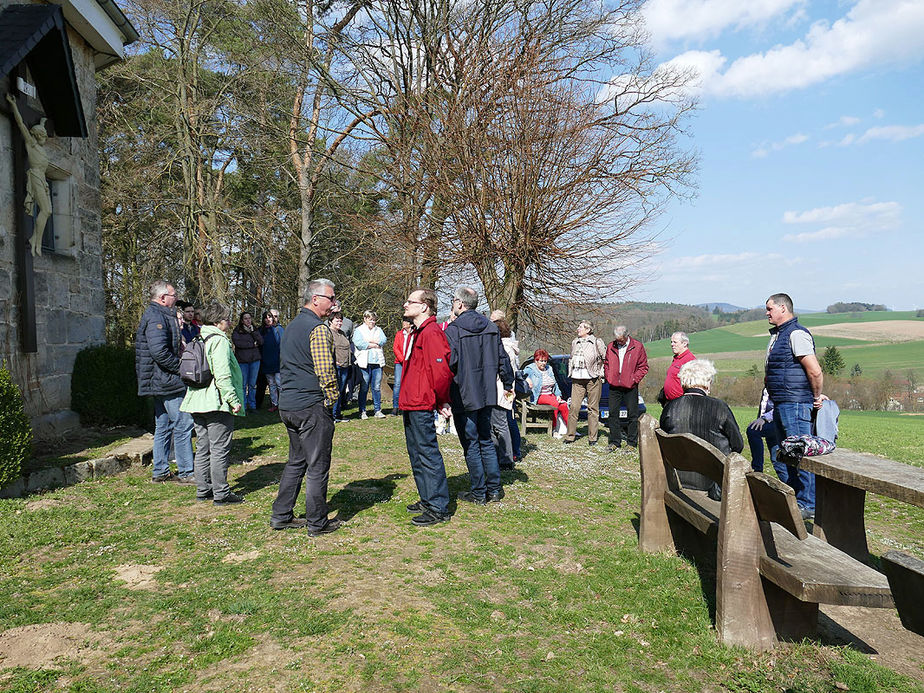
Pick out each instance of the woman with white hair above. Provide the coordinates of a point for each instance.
(704, 416)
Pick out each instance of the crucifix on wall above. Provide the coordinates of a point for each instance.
(38, 195)
(39, 85)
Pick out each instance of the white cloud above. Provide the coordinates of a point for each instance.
(878, 113)
(873, 32)
(765, 149)
(843, 122)
(893, 133)
(669, 20)
(849, 220)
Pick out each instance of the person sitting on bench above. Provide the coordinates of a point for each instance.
(705, 417)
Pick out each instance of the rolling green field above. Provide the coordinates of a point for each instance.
(740, 346)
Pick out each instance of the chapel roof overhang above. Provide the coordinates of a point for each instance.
(36, 35)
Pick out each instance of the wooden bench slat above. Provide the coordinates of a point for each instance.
(689, 453)
(814, 571)
(696, 508)
(877, 475)
(906, 578)
(774, 501)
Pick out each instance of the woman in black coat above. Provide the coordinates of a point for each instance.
(247, 342)
(704, 416)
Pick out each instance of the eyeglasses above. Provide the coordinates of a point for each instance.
(419, 303)
(329, 298)
(173, 294)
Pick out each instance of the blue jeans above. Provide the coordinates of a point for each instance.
(343, 378)
(756, 443)
(172, 424)
(795, 419)
(474, 429)
(372, 376)
(426, 461)
(249, 372)
(396, 389)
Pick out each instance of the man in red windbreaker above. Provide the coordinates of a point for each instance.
(624, 366)
(425, 388)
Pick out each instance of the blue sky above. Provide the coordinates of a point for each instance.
(810, 132)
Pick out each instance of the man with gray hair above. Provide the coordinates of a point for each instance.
(306, 398)
(680, 345)
(477, 358)
(157, 367)
(624, 366)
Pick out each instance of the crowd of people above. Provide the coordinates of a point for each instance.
(464, 370)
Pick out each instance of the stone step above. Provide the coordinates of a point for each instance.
(138, 451)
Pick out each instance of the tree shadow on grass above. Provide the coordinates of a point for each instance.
(361, 494)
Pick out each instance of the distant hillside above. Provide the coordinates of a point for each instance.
(724, 307)
(876, 349)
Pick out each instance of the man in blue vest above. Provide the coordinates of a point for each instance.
(794, 381)
(307, 394)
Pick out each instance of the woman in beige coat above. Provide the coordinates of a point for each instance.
(586, 372)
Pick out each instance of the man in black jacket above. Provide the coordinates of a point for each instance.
(477, 358)
(157, 366)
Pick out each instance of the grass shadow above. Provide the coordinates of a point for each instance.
(361, 494)
(260, 477)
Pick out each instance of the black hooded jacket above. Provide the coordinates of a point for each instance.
(477, 358)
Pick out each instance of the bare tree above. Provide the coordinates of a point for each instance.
(551, 173)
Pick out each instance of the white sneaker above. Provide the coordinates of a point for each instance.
(379, 415)
(363, 416)
(557, 435)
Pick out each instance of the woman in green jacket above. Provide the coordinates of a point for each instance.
(214, 407)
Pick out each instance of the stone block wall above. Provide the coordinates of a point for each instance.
(69, 297)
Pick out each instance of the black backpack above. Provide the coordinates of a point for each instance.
(194, 366)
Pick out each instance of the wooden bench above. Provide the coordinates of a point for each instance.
(535, 416)
(842, 479)
(906, 580)
(770, 573)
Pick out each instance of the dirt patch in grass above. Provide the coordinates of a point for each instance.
(876, 632)
(43, 504)
(38, 646)
(138, 577)
(241, 557)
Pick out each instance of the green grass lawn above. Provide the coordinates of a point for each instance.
(545, 591)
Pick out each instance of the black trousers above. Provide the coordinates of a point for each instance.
(620, 396)
(311, 435)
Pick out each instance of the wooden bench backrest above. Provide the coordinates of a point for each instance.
(689, 453)
(774, 501)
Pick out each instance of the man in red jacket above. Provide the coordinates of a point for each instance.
(624, 366)
(425, 388)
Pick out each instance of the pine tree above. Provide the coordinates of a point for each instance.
(832, 362)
